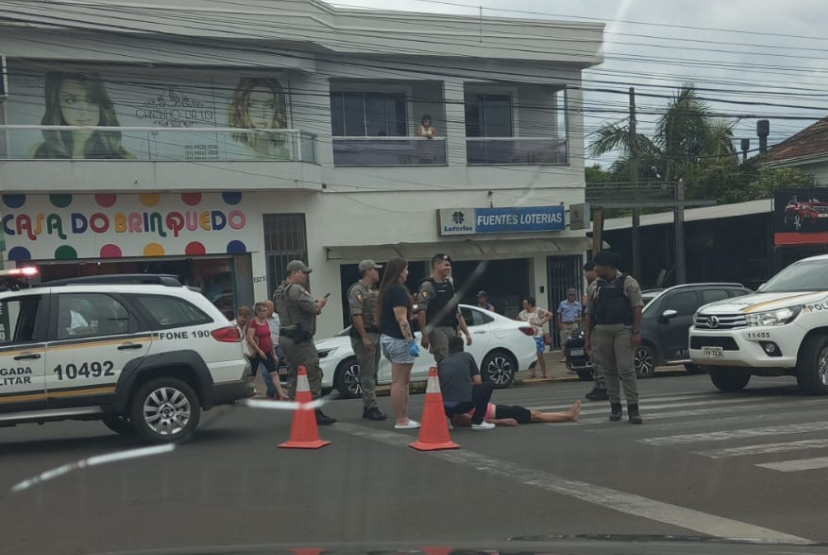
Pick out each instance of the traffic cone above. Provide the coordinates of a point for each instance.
(304, 434)
(434, 432)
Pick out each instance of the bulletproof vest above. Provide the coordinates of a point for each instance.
(369, 304)
(442, 309)
(611, 303)
(289, 311)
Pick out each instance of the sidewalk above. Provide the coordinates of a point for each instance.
(555, 371)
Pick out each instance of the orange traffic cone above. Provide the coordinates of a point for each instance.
(434, 432)
(304, 434)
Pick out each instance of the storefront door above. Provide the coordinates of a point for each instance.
(563, 272)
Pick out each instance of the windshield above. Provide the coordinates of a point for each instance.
(803, 276)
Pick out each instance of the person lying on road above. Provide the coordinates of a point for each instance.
(506, 415)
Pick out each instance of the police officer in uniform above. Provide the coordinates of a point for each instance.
(437, 310)
(613, 330)
(599, 385)
(362, 303)
(297, 312)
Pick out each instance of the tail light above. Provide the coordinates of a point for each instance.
(528, 330)
(229, 334)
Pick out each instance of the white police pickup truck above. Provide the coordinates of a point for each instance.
(781, 330)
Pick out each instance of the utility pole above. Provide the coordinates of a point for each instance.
(636, 213)
(678, 221)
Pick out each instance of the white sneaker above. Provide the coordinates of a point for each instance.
(412, 425)
(483, 426)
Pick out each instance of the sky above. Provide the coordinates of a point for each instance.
(751, 51)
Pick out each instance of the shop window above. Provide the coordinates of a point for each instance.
(90, 315)
(170, 312)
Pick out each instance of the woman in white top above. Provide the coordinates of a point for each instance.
(537, 318)
(426, 129)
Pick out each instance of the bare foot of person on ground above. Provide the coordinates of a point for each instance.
(575, 411)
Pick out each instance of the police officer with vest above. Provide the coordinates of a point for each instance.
(613, 331)
(437, 309)
(297, 312)
(362, 303)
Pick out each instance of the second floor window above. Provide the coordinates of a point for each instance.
(488, 115)
(368, 114)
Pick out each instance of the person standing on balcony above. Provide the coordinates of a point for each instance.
(426, 148)
(259, 104)
(426, 129)
(79, 100)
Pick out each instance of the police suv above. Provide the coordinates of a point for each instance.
(782, 329)
(142, 353)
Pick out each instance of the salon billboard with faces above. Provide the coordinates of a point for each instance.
(245, 111)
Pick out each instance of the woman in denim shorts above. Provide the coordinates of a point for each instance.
(396, 338)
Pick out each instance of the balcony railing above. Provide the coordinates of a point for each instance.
(219, 144)
(389, 151)
(487, 151)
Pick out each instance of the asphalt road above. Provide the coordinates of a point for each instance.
(703, 463)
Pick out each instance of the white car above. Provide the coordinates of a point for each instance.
(778, 331)
(500, 346)
(142, 353)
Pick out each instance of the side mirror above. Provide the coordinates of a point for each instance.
(668, 315)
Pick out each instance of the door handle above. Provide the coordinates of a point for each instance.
(129, 346)
(480, 332)
(27, 356)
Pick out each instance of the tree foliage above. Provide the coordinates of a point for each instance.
(690, 145)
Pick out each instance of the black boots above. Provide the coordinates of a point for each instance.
(597, 395)
(323, 419)
(632, 412)
(374, 414)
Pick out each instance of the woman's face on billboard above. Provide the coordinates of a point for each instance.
(261, 107)
(77, 105)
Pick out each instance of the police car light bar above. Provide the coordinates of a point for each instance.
(29, 271)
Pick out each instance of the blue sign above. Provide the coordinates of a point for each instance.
(511, 220)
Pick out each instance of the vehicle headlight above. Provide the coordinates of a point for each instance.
(325, 352)
(778, 317)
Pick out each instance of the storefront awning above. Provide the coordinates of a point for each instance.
(468, 249)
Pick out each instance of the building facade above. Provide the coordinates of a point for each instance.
(219, 142)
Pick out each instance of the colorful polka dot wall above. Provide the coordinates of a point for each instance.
(110, 225)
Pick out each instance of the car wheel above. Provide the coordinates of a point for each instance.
(729, 380)
(812, 366)
(585, 375)
(644, 362)
(165, 410)
(499, 367)
(692, 368)
(346, 379)
(118, 424)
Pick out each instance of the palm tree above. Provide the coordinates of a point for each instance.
(685, 135)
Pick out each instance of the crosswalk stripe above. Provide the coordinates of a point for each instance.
(797, 465)
(713, 419)
(723, 402)
(735, 434)
(764, 449)
(563, 406)
(681, 414)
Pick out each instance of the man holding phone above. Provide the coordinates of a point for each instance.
(297, 312)
(362, 304)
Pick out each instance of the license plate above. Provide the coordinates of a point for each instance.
(576, 352)
(712, 352)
